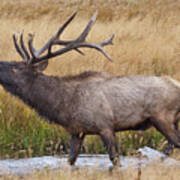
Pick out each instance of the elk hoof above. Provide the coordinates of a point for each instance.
(168, 149)
(116, 162)
(71, 162)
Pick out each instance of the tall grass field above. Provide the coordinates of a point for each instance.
(147, 42)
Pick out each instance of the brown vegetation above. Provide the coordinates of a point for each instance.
(153, 172)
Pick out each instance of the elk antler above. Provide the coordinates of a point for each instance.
(80, 42)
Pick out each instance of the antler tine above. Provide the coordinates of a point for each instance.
(62, 28)
(79, 51)
(19, 50)
(31, 48)
(100, 46)
(87, 29)
(23, 47)
(107, 42)
(36, 53)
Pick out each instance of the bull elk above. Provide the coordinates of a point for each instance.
(92, 102)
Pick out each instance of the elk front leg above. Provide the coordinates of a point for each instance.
(108, 138)
(75, 146)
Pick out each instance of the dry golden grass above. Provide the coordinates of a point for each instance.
(153, 172)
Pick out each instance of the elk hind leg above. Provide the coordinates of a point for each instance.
(169, 148)
(169, 130)
(108, 138)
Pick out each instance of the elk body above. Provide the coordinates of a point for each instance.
(92, 102)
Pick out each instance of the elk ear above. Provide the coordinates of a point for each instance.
(41, 66)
